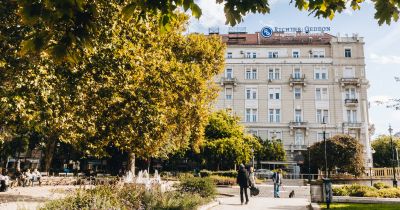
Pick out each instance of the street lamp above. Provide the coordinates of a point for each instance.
(324, 136)
(309, 162)
(393, 157)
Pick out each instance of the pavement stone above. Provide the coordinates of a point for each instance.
(261, 203)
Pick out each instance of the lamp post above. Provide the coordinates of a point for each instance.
(393, 157)
(309, 163)
(324, 136)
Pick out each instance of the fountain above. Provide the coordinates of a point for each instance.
(128, 178)
(144, 179)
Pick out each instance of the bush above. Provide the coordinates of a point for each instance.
(389, 192)
(205, 173)
(202, 186)
(231, 173)
(172, 200)
(366, 191)
(380, 185)
(340, 191)
(223, 180)
(182, 175)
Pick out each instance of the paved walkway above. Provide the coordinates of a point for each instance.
(261, 203)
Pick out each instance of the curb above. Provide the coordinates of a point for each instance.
(315, 206)
(208, 206)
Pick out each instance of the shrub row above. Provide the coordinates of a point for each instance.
(191, 192)
(223, 180)
(379, 190)
(206, 173)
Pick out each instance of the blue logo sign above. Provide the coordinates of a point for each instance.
(266, 32)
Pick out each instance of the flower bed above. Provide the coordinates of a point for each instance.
(379, 190)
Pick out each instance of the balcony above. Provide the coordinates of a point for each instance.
(298, 147)
(228, 81)
(356, 125)
(350, 81)
(295, 124)
(297, 80)
(351, 102)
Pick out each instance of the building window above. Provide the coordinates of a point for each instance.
(352, 116)
(295, 53)
(251, 115)
(322, 116)
(274, 93)
(273, 54)
(229, 55)
(297, 93)
(297, 115)
(299, 137)
(321, 94)
(274, 73)
(274, 115)
(350, 93)
(248, 55)
(297, 73)
(253, 132)
(347, 53)
(228, 93)
(229, 74)
(251, 73)
(254, 55)
(275, 135)
(320, 73)
(320, 136)
(318, 53)
(251, 93)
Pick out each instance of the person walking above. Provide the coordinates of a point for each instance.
(243, 181)
(252, 180)
(277, 179)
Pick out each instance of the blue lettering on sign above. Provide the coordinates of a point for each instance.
(266, 32)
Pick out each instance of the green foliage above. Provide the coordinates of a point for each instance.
(203, 186)
(226, 142)
(271, 150)
(223, 180)
(343, 152)
(383, 150)
(127, 197)
(381, 190)
(380, 185)
(359, 206)
(231, 173)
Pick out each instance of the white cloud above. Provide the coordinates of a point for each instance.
(348, 10)
(384, 59)
(212, 15)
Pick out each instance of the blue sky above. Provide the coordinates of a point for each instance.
(382, 46)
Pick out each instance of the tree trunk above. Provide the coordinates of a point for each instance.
(131, 163)
(49, 152)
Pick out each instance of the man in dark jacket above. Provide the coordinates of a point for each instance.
(243, 181)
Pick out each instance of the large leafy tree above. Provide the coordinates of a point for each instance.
(383, 156)
(344, 153)
(134, 88)
(271, 150)
(226, 142)
(71, 26)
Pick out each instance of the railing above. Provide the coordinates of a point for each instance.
(381, 172)
(299, 147)
(298, 124)
(297, 80)
(355, 81)
(228, 80)
(352, 124)
(350, 102)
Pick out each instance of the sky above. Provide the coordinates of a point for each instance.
(382, 46)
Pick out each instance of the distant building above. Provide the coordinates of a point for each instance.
(285, 86)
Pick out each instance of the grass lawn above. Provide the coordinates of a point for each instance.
(357, 206)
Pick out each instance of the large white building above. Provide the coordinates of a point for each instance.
(287, 85)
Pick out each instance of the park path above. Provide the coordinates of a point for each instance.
(265, 200)
(261, 203)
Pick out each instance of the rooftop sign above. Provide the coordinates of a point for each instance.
(267, 31)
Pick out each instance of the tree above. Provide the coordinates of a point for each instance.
(393, 103)
(383, 150)
(226, 142)
(344, 153)
(72, 26)
(271, 150)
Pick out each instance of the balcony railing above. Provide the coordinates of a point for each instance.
(352, 124)
(295, 80)
(296, 124)
(298, 147)
(351, 101)
(228, 80)
(350, 81)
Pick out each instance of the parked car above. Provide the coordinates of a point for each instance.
(264, 173)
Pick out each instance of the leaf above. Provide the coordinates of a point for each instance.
(196, 11)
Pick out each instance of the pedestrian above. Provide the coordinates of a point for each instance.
(243, 181)
(277, 179)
